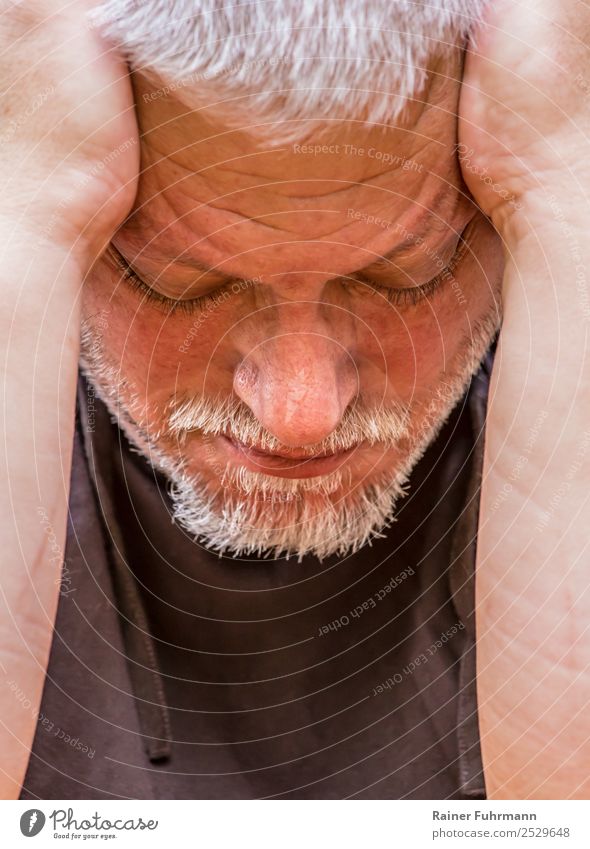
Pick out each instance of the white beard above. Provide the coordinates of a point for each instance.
(252, 513)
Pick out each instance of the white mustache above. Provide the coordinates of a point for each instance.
(233, 418)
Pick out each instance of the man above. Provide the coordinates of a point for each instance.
(283, 309)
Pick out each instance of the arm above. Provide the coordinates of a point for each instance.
(533, 580)
(38, 352)
(67, 106)
(526, 117)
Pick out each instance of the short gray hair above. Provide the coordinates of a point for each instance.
(290, 60)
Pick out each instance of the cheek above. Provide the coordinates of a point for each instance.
(155, 353)
(408, 347)
(419, 344)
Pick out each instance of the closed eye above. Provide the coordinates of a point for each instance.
(411, 295)
(186, 305)
(399, 296)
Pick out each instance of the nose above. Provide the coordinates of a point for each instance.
(298, 385)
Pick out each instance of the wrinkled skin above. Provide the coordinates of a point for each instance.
(312, 334)
(306, 242)
(66, 104)
(525, 115)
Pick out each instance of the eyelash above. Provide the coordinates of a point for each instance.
(172, 305)
(413, 295)
(398, 297)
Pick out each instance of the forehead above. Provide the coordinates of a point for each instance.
(330, 200)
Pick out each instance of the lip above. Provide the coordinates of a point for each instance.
(293, 464)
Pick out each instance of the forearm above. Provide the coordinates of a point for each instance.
(533, 595)
(38, 356)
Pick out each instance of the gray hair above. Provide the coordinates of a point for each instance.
(289, 60)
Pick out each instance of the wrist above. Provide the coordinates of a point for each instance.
(41, 283)
(546, 288)
(74, 213)
(552, 210)
(29, 245)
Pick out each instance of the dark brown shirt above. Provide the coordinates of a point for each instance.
(176, 673)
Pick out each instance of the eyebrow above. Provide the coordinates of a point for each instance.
(428, 222)
(412, 241)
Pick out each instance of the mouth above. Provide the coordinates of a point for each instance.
(289, 463)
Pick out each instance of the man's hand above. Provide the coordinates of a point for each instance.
(68, 140)
(525, 104)
(525, 149)
(68, 164)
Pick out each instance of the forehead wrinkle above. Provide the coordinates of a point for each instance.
(431, 220)
(427, 223)
(434, 218)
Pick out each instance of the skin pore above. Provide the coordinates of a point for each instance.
(282, 328)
